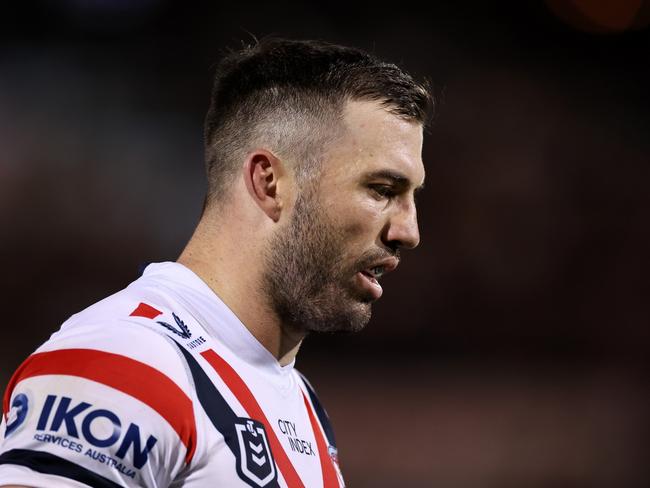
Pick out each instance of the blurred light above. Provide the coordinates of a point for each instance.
(602, 16)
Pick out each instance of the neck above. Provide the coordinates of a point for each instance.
(218, 259)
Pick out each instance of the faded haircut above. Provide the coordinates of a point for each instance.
(288, 96)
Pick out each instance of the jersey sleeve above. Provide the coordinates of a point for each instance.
(103, 405)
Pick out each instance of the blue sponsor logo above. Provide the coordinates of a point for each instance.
(18, 413)
(77, 420)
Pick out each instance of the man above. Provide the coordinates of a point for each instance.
(186, 378)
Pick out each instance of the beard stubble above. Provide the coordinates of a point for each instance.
(308, 284)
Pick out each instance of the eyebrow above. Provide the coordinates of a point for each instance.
(397, 178)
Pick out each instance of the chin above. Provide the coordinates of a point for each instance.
(350, 318)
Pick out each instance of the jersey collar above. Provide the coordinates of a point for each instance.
(214, 315)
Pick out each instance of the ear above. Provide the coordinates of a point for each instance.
(262, 171)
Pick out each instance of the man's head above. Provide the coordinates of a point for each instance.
(347, 128)
(289, 96)
(347, 229)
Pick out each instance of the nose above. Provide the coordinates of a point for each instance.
(402, 230)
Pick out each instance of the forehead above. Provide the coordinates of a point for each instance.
(374, 140)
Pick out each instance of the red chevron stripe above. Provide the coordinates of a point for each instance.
(127, 375)
(330, 480)
(247, 400)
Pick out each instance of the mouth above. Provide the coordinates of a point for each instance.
(368, 277)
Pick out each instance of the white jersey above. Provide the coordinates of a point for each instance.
(161, 385)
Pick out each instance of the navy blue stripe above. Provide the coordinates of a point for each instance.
(320, 412)
(46, 463)
(218, 411)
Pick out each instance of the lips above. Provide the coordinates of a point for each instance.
(368, 276)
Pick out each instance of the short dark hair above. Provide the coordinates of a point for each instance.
(290, 95)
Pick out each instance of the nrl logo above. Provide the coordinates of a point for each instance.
(255, 464)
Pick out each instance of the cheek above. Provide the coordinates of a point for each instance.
(361, 228)
(357, 220)
(354, 228)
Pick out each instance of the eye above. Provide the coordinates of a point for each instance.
(382, 191)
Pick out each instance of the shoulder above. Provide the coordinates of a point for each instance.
(108, 395)
(120, 333)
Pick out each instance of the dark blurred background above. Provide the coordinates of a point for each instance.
(511, 350)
